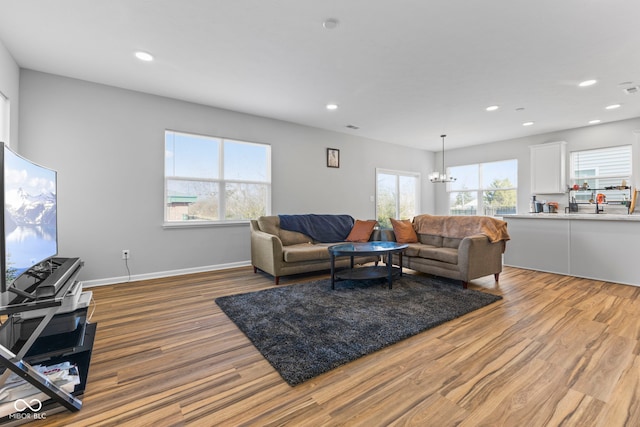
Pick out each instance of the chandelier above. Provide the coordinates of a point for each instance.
(441, 176)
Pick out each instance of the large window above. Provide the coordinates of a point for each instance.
(397, 195)
(210, 179)
(602, 167)
(484, 188)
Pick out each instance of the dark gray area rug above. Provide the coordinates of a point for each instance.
(307, 329)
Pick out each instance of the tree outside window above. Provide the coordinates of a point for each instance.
(484, 189)
(209, 179)
(397, 195)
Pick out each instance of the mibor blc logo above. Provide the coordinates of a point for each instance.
(33, 406)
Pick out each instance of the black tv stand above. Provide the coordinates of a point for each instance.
(46, 337)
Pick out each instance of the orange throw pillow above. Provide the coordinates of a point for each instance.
(403, 229)
(361, 231)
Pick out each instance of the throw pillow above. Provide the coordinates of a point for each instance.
(361, 231)
(403, 229)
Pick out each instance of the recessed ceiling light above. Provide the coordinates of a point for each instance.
(527, 123)
(332, 106)
(330, 24)
(593, 122)
(587, 83)
(492, 108)
(144, 56)
(612, 106)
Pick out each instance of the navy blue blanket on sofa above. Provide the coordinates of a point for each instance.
(321, 228)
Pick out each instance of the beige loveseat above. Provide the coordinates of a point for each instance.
(282, 252)
(457, 247)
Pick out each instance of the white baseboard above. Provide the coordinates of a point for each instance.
(161, 274)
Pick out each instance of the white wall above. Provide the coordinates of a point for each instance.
(605, 135)
(9, 87)
(108, 147)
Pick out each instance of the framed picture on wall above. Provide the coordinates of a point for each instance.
(333, 158)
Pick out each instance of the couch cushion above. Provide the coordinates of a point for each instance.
(305, 252)
(361, 231)
(430, 239)
(403, 230)
(413, 249)
(271, 225)
(450, 242)
(293, 237)
(448, 255)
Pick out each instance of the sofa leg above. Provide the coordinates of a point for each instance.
(497, 276)
(465, 284)
(277, 279)
(255, 269)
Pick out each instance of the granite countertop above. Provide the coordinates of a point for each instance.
(587, 216)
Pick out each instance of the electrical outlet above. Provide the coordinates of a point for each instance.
(125, 254)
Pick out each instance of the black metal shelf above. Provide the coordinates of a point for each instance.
(47, 340)
(574, 205)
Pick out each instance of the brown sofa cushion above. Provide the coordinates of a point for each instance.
(450, 242)
(413, 249)
(430, 239)
(448, 255)
(403, 229)
(305, 252)
(289, 237)
(271, 225)
(361, 231)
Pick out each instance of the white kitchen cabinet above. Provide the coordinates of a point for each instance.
(548, 168)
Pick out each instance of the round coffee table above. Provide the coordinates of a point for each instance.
(369, 272)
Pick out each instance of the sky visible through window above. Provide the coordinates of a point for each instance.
(198, 157)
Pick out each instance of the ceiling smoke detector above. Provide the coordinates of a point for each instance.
(631, 90)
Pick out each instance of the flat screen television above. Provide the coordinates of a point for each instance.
(29, 217)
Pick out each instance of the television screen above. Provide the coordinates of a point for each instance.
(30, 219)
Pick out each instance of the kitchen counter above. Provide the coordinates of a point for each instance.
(593, 246)
(589, 216)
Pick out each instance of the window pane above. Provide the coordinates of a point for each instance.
(499, 202)
(407, 197)
(502, 174)
(191, 156)
(495, 183)
(212, 179)
(244, 201)
(467, 178)
(463, 203)
(246, 162)
(386, 199)
(601, 168)
(192, 200)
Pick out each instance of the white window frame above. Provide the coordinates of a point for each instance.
(221, 181)
(574, 165)
(480, 190)
(398, 174)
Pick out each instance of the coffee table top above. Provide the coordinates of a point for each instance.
(367, 248)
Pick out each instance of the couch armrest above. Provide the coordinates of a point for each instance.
(478, 257)
(266, 250)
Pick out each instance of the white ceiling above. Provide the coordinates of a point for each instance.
(403, 71)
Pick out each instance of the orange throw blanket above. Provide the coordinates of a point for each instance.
(460, 227)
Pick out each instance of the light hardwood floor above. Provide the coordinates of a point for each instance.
(555, 351)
